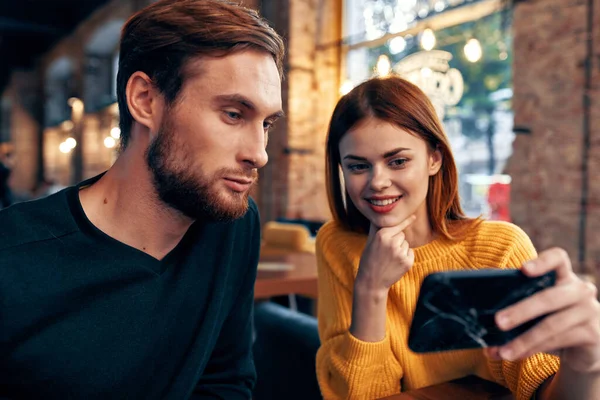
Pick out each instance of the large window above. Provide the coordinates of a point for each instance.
(459, 53)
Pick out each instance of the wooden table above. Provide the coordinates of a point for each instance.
(300, 276)
(469, 388)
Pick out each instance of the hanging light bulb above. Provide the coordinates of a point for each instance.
(109, 142)
(397, 45)
(383, 66)
(115, 132)
(71, 142)
(427, 39)
(473, 50)
(64, 148)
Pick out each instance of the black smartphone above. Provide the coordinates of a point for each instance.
(456, 309)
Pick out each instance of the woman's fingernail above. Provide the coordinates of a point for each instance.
(502, 321)
(506, 354)
(529, 266)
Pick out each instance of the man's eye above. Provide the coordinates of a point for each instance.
(233, 115)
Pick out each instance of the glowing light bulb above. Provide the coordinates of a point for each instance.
(427, 39)
(109, 142)
(71, 142)
(64, 148)
(115, 132)
(473, 50)
(384, 66)
(397, 45)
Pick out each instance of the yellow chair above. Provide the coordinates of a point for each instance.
(281, 238)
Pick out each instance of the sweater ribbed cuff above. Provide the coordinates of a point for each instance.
(536, 370)
(367, 354)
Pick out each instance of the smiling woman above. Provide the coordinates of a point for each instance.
(397, 218)
(379, 180)
(413, 131)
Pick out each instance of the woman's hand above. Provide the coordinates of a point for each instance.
(386, 258)
(571, 328)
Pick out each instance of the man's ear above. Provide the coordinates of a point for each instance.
(144, 101)
(435, 162)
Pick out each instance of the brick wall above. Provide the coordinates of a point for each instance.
(549, 86)
(313, 82)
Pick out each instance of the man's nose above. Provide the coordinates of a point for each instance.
(254, 149)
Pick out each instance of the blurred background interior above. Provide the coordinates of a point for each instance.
(516, 83)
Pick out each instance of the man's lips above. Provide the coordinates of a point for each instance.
(239, 184)
(243, 181)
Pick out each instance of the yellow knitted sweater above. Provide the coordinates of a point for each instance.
(350, 368)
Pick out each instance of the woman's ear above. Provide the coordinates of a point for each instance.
(144, 101)
(435, 162)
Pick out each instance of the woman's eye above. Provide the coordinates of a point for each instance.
(357, 167)
(399, 162)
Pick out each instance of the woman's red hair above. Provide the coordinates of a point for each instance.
(399, 102)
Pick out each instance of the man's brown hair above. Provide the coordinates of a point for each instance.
(160, 39)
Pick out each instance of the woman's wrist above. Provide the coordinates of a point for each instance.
(368, 290)
(369, 311)
(369, 293)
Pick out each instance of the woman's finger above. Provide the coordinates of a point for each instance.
(404, 247)
(579, 336)
(554, 259)
(547, 301)
(546, 333)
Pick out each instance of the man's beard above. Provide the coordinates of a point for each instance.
(195, 196)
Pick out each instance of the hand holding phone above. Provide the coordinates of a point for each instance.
(456, 309)
(571, 326)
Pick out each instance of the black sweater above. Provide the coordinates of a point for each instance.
(84, 316)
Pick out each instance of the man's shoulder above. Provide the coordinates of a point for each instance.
(35, 221)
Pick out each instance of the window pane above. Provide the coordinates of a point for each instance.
(470, 83)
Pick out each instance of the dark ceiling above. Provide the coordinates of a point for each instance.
(29, 28)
